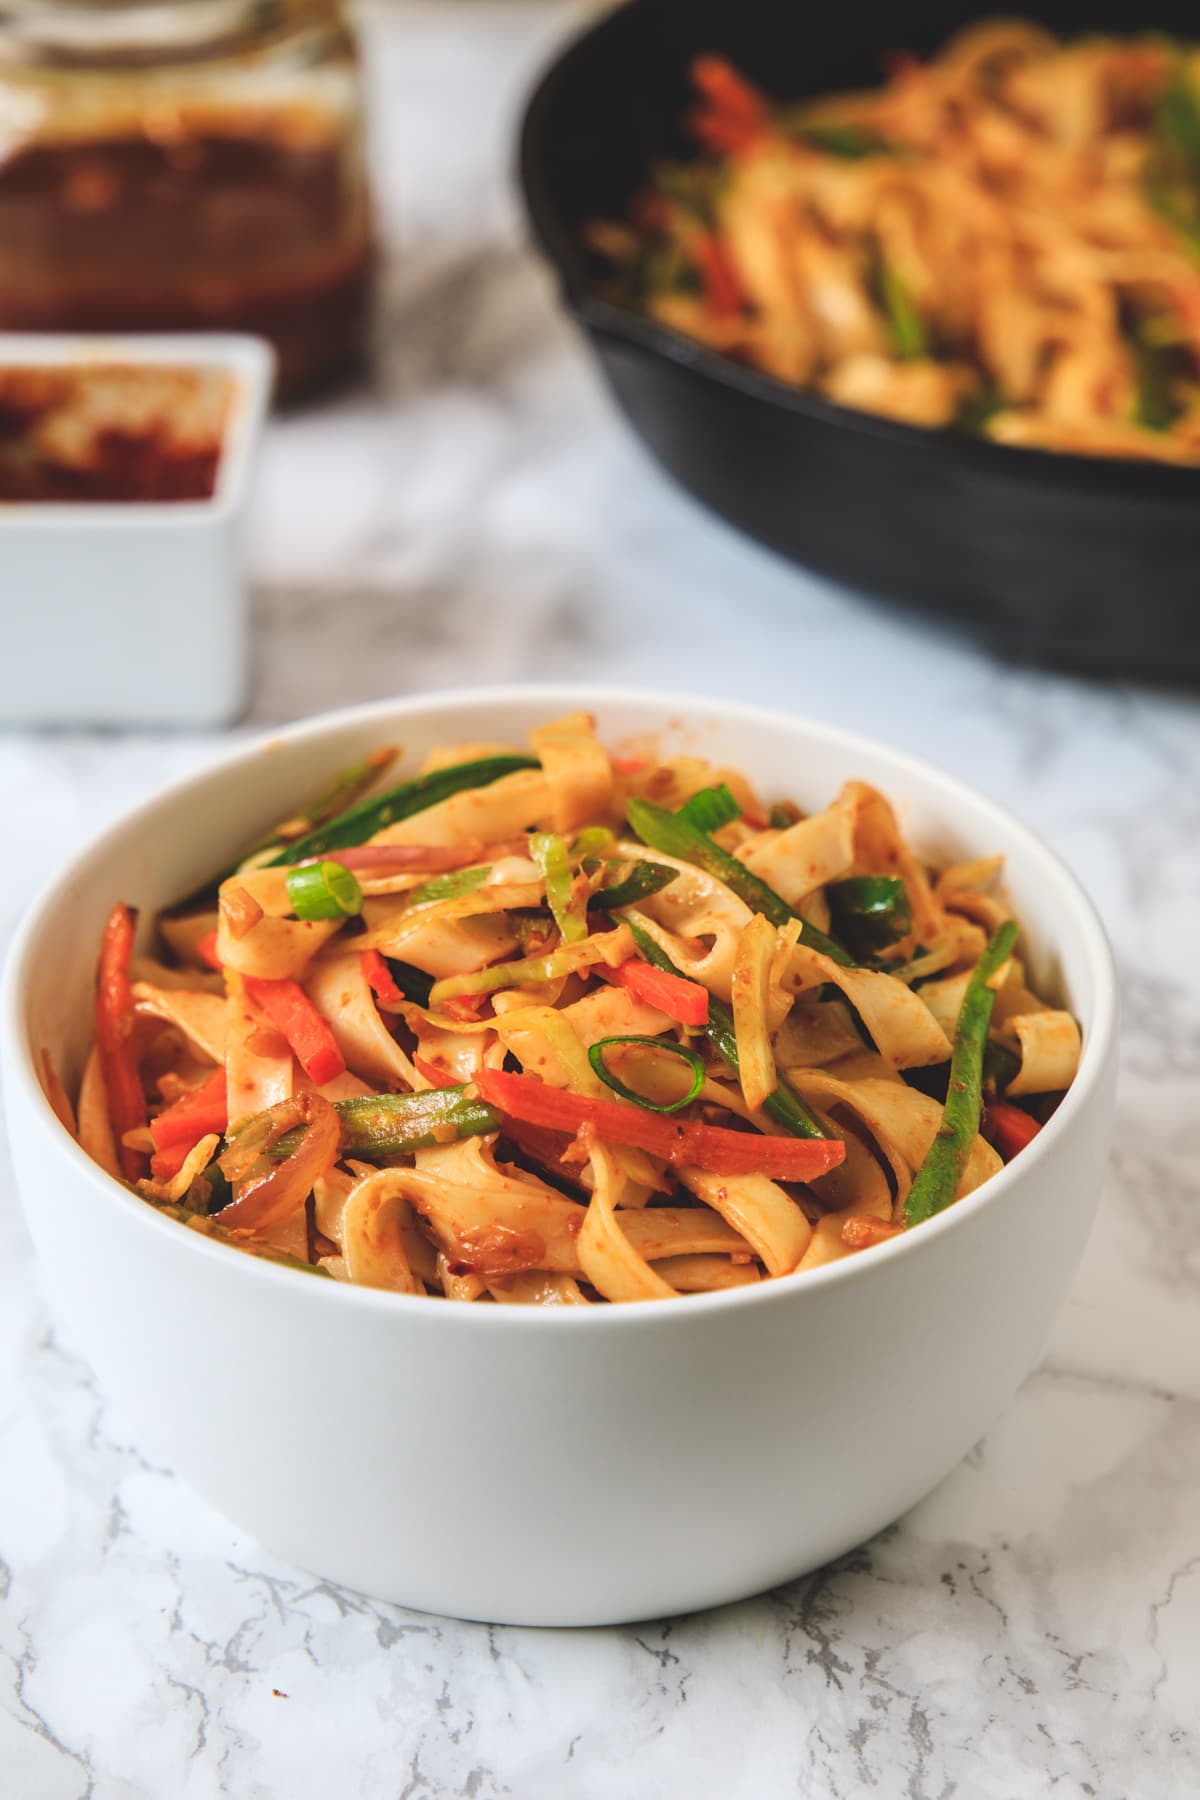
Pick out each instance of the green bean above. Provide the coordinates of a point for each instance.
(396, 1124)
(643, 879)
(936, 1182)
(341, 792)
(784, 1105)
(416, 796)
(677, 836)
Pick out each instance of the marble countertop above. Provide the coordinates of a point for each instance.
(478, 513)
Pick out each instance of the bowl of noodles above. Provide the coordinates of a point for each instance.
(560, 1156)
(916, 304)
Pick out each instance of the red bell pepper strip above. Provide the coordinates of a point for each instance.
(727, 92)
(711, 1147)
(206, 949)
(379, 976)
(194, 1115)
(682, 1000)
(721, 284)
(293, 1014)
(168, 1162)
(114, 1037)
(1008, 1128)
(723, 135)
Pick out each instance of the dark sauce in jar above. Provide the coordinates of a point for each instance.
(223, 190)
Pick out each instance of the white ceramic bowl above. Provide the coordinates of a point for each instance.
(555, 1467)
(133, 613)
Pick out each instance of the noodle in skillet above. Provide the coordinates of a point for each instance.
(1003, 240)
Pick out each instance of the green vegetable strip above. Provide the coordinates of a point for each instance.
(363, 821)
(936, 1181)
(591, 839)
(414, 984)
(342, 792)
(869, 912)
(1172, 168)
(710, 808)
(449, 887)
(395, 1124)
(676, 836)
(784, 1105)
(682, 1051)
(564, 898)
(324, 890)
(644, 879)
(905, 325)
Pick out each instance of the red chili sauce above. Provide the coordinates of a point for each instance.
(111, 432)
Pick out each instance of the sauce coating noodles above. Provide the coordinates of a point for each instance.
(553, 1026)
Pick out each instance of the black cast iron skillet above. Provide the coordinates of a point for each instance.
(1073, 559)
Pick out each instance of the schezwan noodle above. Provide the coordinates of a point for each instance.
(545, 1025)
(1002, 240)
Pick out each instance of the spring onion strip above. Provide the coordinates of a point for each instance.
(324, 890)
(596, 1055)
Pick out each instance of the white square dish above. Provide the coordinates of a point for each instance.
(132, 612)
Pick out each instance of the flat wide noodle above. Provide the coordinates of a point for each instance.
(606, 1256)
(903, 1122)
(1049, 1046)
(201, 1017)
(900, 1025)
(534, 1287)
(467, 1200)
(577, 768)
(258, 1062)
(95, 1126)
(502, 810)
(341, 993)
(769, 1220)
(373, 1220)
(806, 856)
(706, 1274)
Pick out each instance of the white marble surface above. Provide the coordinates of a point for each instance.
(1034, 1626)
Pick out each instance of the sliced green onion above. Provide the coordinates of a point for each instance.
(905, 324)
(710, 808)
(569, 907)
(449, 887)
(869, 912)
(643, 879)
(783, 814)
(784, 1105)
(596, 1058)
(590, 840)
(324, 890)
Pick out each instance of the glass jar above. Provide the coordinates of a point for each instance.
(186, 165)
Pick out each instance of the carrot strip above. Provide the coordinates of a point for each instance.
(711, 1147)
(682, 1000)
(193, 1116)
(114, 1037)
(379, 976)
(206, 949)
(293, 1014)
(1008, 1128)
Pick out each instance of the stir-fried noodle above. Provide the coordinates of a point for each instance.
(1003, 240)
(568, 1026)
